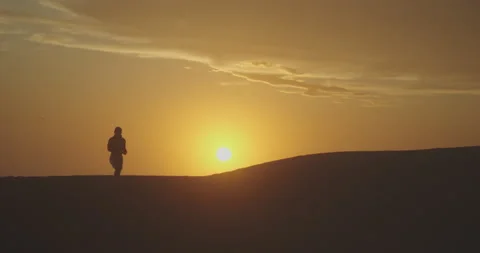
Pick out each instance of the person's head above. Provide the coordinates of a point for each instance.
(118, 130)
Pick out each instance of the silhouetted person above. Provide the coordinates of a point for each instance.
(117, 146)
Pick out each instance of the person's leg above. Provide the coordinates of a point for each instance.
(116, 161)
(112, 161)
(118, 166)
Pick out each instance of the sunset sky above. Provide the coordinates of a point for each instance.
(265, 79)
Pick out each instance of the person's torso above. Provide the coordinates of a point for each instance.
(117, 145)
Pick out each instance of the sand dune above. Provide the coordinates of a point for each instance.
(397, 201)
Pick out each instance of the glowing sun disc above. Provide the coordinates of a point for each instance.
(224, 154)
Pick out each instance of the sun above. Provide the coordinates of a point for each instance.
(224, 154)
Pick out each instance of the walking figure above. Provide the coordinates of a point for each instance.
(117, 146)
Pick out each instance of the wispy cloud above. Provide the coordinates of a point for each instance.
(343, 49)
(10, 31)
(70, 41)
(58, 7)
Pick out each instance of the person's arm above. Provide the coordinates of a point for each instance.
(124, 147)
(109, 145)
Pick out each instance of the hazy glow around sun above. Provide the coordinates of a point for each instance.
(224, 154)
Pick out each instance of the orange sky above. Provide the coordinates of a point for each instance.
(269, 81)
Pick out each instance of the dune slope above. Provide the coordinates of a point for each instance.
(396, 201)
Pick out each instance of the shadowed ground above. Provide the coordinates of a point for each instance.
(403, 201)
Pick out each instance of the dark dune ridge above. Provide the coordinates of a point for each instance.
(392, 201)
